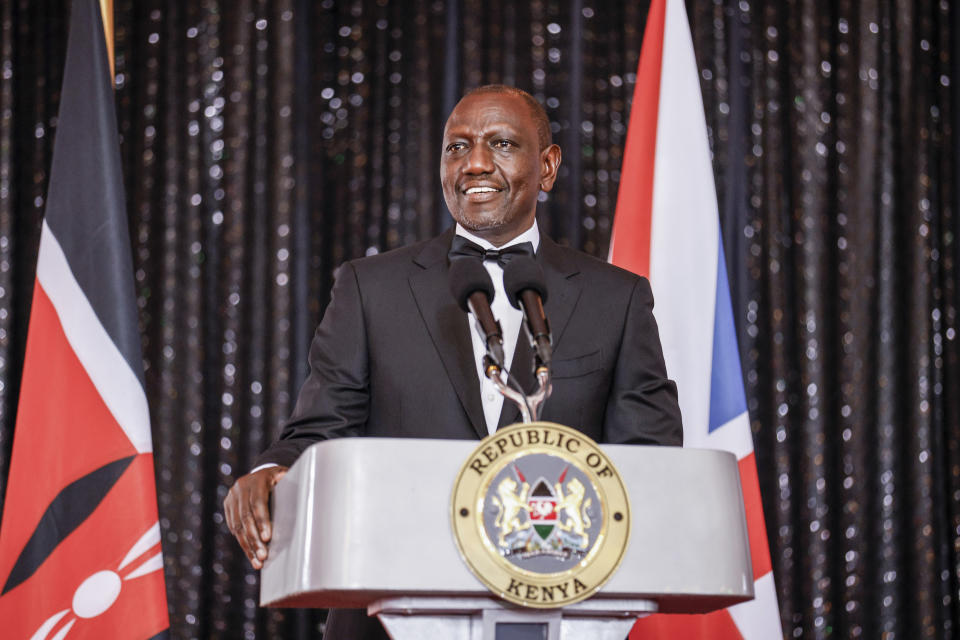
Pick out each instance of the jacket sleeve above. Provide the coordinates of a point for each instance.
(335, 398)
(642, 407)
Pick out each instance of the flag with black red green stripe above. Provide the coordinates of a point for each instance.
(80, 552)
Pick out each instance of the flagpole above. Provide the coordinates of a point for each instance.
(106, 10)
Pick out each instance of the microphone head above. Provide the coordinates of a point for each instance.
(520, 274)
(467, 276)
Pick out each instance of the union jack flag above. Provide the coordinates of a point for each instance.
(667, 228)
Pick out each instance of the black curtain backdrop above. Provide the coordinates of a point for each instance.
(267, 141)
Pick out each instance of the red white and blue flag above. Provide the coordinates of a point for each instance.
(667, 228)
(80, 549)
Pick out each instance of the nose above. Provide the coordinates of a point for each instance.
(479, 160)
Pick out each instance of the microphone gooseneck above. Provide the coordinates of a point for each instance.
(526, 289)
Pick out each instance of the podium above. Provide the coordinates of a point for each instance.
(365, 523)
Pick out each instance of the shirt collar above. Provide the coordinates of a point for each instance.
(531, 235)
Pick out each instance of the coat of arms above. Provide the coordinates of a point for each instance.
(540, 515)
(552, 519)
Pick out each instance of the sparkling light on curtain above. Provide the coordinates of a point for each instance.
(267, 141)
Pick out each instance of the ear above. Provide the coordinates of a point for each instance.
(549, 165)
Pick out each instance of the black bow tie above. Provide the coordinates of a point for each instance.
(463, 248)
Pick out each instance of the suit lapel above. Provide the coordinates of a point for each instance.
(563, 287)
(448, 326)
(563, 292)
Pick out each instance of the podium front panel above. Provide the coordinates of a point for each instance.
(360, 519)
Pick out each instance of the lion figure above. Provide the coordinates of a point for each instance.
(510, 504)
(573, 506)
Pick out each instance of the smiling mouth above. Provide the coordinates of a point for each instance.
(482, 194)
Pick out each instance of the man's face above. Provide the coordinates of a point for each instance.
(492, 168)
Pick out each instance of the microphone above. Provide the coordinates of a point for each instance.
(473, 290)
(527, 290)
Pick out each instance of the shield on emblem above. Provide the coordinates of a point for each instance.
(543, 509)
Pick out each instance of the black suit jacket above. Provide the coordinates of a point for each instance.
(393, 357)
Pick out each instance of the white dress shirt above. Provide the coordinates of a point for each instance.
(510, 319)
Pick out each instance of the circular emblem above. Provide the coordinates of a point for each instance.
(540, 515)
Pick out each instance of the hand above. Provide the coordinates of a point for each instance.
(247, 508)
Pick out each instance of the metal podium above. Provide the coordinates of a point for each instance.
(365, 523)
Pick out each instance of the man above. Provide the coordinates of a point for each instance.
(395, 356)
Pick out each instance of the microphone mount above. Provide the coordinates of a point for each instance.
(473, 290)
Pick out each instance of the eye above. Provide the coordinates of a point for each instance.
(454, 147)
(503, 144)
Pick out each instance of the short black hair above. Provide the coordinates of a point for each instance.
(544, 136)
